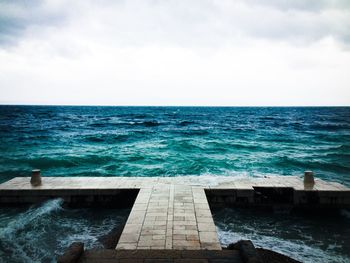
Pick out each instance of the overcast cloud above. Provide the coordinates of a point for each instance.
(252, 52)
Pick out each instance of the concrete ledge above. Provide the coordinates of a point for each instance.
(161, 256)
(173, 214)
(226, 191)
(268, 197)
(74, 198)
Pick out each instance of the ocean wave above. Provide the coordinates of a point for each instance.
(51, 162)
(186, 123)
(295, 249)
(330, 126)
(17, 238)
(183, 145)
(60, 140)
(41, 232)
(135, 122)
(229, 146)
(106, 138)
(33, 213)
(285, 161)
(69, 161)
(344, 148)
(292, 235)
(335, 156)
(150, 123)
(191, 132)
(98, 125)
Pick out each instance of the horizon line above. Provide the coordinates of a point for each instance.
(217, 106)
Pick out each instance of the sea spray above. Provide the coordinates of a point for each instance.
(298, 236)
(19, 238)
(41, 232)
(34, 213)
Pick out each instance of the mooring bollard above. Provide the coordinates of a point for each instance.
(309, 177)
(35, 180)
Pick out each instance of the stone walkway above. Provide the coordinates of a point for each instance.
(170, 217)
(53, 184)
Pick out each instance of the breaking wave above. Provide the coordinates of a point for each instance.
(41, 232)
(297, 236)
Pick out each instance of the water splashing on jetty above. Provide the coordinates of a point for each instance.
(307, 238)
(40, 232)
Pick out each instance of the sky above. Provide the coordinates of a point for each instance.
(174, 52)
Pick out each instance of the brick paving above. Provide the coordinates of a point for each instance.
(57, 184)
(170, 217)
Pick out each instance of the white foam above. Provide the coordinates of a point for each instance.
(25, 218)
(15, 240)
(295, 249)
(209, 179)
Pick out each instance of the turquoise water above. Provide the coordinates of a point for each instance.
(173, 141)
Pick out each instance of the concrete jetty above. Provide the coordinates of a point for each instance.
(174, 213)
(170, 217)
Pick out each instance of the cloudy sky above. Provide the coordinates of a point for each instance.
(174, 52)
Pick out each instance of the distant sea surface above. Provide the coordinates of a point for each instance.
(175, 141)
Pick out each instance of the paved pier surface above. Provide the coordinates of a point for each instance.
(206, 182)
(173, 213)
(170, 217)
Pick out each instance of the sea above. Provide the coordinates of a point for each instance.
(203, 142)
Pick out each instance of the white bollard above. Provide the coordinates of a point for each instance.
(309, 177)
(35, 180)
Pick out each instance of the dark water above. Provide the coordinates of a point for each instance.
(175, 141)
(307, 238)
(40, 233)
(172, 141)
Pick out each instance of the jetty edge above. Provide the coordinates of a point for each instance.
(174, 213)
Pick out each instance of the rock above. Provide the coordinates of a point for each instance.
(111, 239)
(269, 256)
(247, 251)
(233, 246)
(250, 254)
(72, 254)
